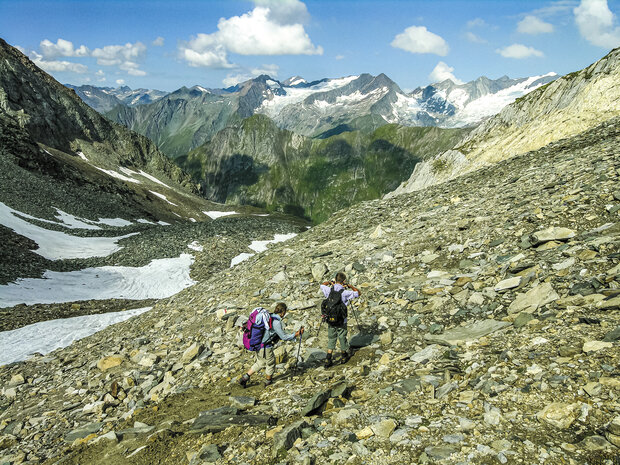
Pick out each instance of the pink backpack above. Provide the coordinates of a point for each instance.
(253, 332)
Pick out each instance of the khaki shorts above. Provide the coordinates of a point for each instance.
(265, 359)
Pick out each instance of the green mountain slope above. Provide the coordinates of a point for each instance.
(257, 163)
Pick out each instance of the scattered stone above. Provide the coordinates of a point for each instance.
(110, 362)
(558, 414)
(595, 346)
(470, 332)
(551, 234)
(284, 440)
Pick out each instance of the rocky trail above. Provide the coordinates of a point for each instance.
(490, 327)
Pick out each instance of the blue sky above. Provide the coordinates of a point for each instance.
(168, 44)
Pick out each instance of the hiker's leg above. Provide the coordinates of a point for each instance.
(331, 344)
(342, 339)
(270, 365)
(259, 363)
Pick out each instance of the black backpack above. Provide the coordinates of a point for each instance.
(333, 308)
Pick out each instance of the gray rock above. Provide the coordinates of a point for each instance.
(551, 234)
(441, 452)
(315, 403)
(242, 402)
(209, 453)
(284, 440)
(83, 431)
(470, 332)
(613, 335)
(522, 319)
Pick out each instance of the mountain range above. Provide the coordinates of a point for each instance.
(188, 117)
(104, 99)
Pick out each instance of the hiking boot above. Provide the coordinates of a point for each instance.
(328, 361)
(243, 381)
(345, 358)
(268, 382)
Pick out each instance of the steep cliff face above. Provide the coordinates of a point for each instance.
(258, 163)
(55, 116)
(563, 108)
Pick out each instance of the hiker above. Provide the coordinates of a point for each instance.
(334, 311)
(272, 330)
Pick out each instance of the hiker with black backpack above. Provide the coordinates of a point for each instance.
(261, 332)
(334, 312)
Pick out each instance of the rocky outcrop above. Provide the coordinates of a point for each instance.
(560, 109)
(530, 382)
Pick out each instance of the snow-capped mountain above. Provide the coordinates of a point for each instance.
(458, 105)
(187, 118)
(103, 99)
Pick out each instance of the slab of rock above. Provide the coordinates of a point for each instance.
(318, 271)
(551, 234)
(533, 299)
(209, 453)
(111, 361)
(242, 402)
(16, 380)
(428, 354)
(441, 452)
(462, 334)
(136, 431)
(595, 346)
(192, 352)
(558, 414)
(83, 431)
(345, 417)
(610, 304)
(509, 283)
(315, 403)
(284, 440)
(407, 386)
(384, 428)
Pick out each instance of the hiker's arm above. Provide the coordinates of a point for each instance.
(277, 327)
(326, 289)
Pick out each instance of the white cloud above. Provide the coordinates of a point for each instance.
(271, 28)
(340, 57)
(418, 39)
(234, 79)
(62, 48)
(57, 66)
(519, 51)
(123, 56)
(285, 11)
(120, 82)
(441, 72)
(159, 42)
(596, 23)
(474, 38)
(100, 76)
(533, 25)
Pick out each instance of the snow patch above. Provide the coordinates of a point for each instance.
(163, 197)
(81, 155)
(45, 336)
(215, 214)
(260, 246)
(56, 245)
(153, 178)
(161, 278)
(196, 246)
(118, 175)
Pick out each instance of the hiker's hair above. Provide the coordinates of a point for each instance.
(341, 277)
(280, 308)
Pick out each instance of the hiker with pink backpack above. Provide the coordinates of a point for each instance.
(260, 333)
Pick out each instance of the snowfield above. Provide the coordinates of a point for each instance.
(159, 279)
(56, 245)
(45, 336)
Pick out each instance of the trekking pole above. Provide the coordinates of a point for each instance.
(301, 335)
(359, 328)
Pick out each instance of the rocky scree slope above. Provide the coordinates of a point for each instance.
(562, 108)
(257, 163)
(490, 333)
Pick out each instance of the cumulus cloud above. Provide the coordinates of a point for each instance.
(126, 57)
(159, 42)
(474, 38)
(100, 76)
(596, 23)
(418, 39)
(340, 57)
(519, 51)
(120, 82)
(56, 65)
(285, 11)
(533, 25)
(62, 48)
(441, 72)
(234, 79)
(273, 27)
